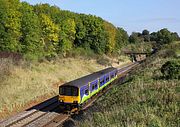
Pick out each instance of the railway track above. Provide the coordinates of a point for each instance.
(48, 113)
(24, 118)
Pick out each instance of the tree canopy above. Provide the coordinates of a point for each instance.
(42, 30)
(46, 31)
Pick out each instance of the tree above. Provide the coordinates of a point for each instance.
(153, 36)
(10, 25)
(42, 9)
(31, 32)
(175, 36)
(164, 36)
(171, 69)
(53, 12)
(111, 32)
(121, 38)
(80, 33)
(146, 35)
(145, 32)
(50, 35)
(136, 37)
(95, 34)
(67, 37)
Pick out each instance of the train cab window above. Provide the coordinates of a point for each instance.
(68, 91)
(74, 92)
(86, 92)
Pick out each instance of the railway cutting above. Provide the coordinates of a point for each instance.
(51, 113)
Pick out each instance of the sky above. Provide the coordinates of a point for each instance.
(132, 15)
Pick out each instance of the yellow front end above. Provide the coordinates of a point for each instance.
(69, 99)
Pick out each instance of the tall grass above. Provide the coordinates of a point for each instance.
(22, 82)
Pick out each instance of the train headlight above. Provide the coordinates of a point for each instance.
(60, 100)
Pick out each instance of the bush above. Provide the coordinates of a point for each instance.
(167, 53)
(77, 52)
(103, 61)
(171, 69)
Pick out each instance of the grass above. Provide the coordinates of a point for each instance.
(23, 82)
(144, 100)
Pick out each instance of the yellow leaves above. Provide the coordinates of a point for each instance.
(111, 30)
(69, 29)
(13, 20)
(50, 35)
(49, 29)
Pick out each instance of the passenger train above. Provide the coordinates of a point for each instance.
(74, 94)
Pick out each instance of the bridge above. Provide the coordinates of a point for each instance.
(137, 56)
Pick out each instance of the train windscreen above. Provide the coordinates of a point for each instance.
(68, 91)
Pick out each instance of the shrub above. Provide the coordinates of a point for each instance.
(103, 61)
(77, 52)
(171, 69)
(167, 53)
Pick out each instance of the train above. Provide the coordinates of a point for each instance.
(74, 94)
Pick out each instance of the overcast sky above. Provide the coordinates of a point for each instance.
(132, 15)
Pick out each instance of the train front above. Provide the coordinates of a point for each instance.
(69, 97)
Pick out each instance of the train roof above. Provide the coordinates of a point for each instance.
(89, 78)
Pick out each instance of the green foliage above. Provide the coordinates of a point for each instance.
(67, 36)
(42, 30)
(103, 61)
(80, 33)
(50, 35)
(10, 25)
(155, 39)
(121, 38)
(139, 47)
(164, 36)
(31, 33)
(111, 30)
(175, 36)
(95, 34)
(82, 52)
(171, 69)
(46, 31)
(146, 35)
(145, 32)
(136, 38)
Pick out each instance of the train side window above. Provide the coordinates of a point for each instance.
(116, 73)
(107, 79)
(112, 76)
(93, 87)
(102, 82)
(87, 92)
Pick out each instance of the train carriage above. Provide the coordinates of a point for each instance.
(73, 94)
